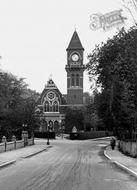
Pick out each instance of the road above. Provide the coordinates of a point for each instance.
(68, 165)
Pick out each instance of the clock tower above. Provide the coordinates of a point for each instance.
(75, 69)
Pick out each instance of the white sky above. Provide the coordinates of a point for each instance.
(34, 35)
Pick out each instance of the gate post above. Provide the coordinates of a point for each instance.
(4, 140)
(14, 139)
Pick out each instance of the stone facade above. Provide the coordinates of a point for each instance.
(75, 69)
(51, 107)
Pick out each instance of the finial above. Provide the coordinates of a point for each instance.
(50, 77)
(75, 27)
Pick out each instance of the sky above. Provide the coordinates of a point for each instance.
(34, 35)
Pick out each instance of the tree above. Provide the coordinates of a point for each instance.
(74, 117)
(17, 104)
(115, 64)
(90, 112)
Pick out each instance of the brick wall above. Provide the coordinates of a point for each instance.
(75, 96)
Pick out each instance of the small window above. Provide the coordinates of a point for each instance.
(77, 80)
(72, 80)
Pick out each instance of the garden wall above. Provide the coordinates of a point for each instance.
(50, 135)
(128, 148)
(7, 146)
(89, 135)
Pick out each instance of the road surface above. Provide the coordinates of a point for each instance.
(68, 165)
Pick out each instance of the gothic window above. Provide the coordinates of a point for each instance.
(56, 106)
(72, 80)
(51, 95)
(50, 110)
(77, 79)
(46, 106)
(51, 105)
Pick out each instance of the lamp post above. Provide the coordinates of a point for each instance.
(24, 126)
(25, 134)
(48, 135)
(47, 130)
(61, 128)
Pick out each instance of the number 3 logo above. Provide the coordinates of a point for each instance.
(95, 22)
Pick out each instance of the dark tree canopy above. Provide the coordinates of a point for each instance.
(115, 64)
(74, 118)
(17, 105)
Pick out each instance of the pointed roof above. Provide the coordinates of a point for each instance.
(50, 84)
(75, 43)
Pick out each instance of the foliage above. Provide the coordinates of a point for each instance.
(74, 117)
(89, 112)
(115, 64)
(17, 104)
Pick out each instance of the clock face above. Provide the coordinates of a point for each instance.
(51, 95)
(75, 57)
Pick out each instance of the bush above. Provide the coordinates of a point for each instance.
(88, 135)
(51, 135)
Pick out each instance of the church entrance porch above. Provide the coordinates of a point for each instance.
(56, 127)
(52, 122)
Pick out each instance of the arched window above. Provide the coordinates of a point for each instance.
(50, 125)
(50, 108)
(72, 80)
(77, 79)
(46, 106)
(56, 107)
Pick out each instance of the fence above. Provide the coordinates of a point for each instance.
(89, 135)
(128, 148)
(14, 144)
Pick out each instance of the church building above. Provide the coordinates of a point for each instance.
(52, 104)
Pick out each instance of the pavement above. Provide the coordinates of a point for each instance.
(124, 162)
(10, 157)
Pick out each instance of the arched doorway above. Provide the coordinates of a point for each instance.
(56, 126)
(45, 126)
(51, 125)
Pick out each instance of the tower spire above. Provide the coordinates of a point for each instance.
(75, 69)
(75, 43)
